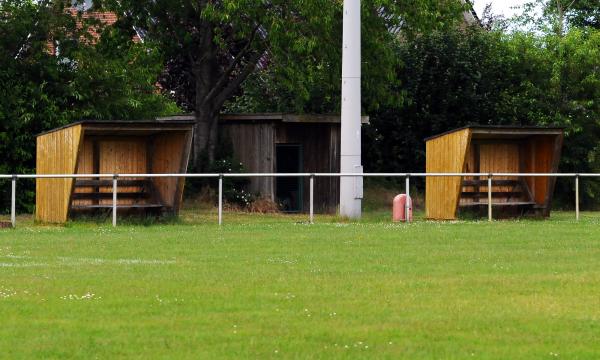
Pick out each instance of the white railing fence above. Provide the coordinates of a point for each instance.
(311, 176)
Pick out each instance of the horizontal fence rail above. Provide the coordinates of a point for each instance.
(115, 177)
(249, 175)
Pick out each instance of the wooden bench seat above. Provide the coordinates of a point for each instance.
(471, 194)
(494, 182)
(109, 183)
(121, 206)
(508, 203)
(95, 194)
(109, 195)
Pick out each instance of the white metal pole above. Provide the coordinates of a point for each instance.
(312, 199)
(490, 198)
(220, 200)
(577, 197)
(408, 204)
(351, 187)
(114, 202)
(13, 202)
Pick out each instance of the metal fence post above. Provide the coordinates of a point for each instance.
(220, 199)
(408, 202)
(577, 197)
(114, 201)
(490, 197)
(13, 202)
(312, 198)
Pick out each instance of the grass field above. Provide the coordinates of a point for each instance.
(275, 287)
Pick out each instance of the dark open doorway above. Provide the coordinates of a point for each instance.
(289, 192)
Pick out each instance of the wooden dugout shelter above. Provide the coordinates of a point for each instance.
(111, 147)
(492, 149)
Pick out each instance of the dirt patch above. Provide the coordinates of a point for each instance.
(263, 206)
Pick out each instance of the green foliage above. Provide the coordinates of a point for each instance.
(556, 16)
(212, 47)
(234, 189)
(584, 13)
(454, 77)
(457, 78)
(41, 90)
(309, 82)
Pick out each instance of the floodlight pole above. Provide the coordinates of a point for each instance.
(577, 197)
(114, 200)
(351, 187)
(220, 216)
(13, 201)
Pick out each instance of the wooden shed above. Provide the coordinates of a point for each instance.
(287, 143)
(492, 149)
(111, 147)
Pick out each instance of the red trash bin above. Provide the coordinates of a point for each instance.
(399, 208)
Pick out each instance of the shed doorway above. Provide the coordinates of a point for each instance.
(289, 190)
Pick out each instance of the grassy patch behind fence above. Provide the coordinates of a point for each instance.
(273, 286)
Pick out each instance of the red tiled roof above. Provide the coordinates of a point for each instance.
(105, 17)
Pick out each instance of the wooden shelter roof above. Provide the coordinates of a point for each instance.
(504, 131)
(280, 117)
(109, 126)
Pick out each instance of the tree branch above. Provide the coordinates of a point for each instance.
(225, 76)
(235, 83)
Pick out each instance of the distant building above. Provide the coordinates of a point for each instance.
(287, 143)
(85, 9)
(470, 16)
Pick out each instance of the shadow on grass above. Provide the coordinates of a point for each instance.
(133, 220)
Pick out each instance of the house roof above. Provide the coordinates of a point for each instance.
(504, 131)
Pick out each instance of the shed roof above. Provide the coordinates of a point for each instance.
(281, 117)
(129, 124)
(504, 131)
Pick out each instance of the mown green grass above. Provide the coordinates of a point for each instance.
(275, 287)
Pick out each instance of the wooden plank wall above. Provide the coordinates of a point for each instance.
(56, 154)
(254, 146)
(489, 156)
(333, 183)
(123, 155)
(499, 157)
(85, 165)
(542, 155)
(115, 155)
(320, 145)
(445, 154)
(169, 150)
(471, 166)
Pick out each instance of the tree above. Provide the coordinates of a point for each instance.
(558, 16)
(450, 79)
(112, 78)
(213, 46)
(585, 13)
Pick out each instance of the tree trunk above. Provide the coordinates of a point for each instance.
(213, 87)
(205, 137)
(206, 72)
